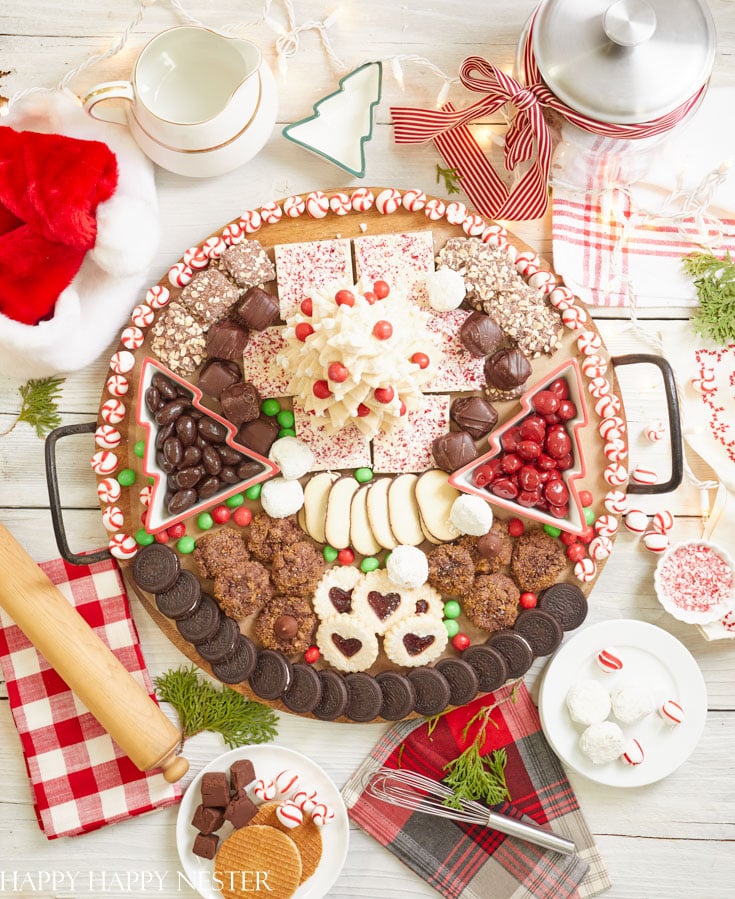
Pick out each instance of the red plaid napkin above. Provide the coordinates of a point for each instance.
(81, 779)
(461, 860)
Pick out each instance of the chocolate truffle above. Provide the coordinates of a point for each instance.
(257, 309)
(259, 434)
(452, 451)
(227, 339)
(474, 415)
(240, 402)
(217, 375)
(480, 335)
(506, 369)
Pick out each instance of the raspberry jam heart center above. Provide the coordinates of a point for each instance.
(415, 645)
(348, 646)
(383, 604)
(341, 599)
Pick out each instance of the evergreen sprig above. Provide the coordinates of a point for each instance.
(451, 178)
(202, 706)
(40, 405)
(714, 279)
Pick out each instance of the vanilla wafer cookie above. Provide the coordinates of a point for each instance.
(258, 853)
(307, 837)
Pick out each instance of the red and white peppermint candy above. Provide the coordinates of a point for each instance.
(609, 661)
(633, 754)
(196, 258)
(271, 213)
(123, 546)
(615, 474)
(543, 281)
(157, 296)
(122, 362)
(107, 437)
(473, 225)
(705, 382)
(616, 502)
(585, 570)
(600, 548)
(435, 209)
(589, 342)
(573, 317)
(340, 204)
(250, 221)
(495, 235)
(214, 247)
(117, 385)
(594, 365)
(611, 428)
(104, 462)
(388, 201)
(527, 263)
(636, 520)
(608, 406)
(294, 206)
(113, 518)
(656, 542)
(132, 337)
(616, 450)
(289, 814)
(362, 199)
(109, 490)
(317, 204)
(142, 316)
(643, 475)
(112, 411)
(264, 790)
(606, 526)
(322, 814)
(561, 297)
(671, 711)
(180, 274)
(663, 521)
(145, 495)
(414, 200)
(655, 431)
(305, 799)
(286, 781)
(455, 213)
(233, 234)
(599, 387)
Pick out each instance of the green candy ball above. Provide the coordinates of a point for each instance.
(330, 553)
(254, 491)
(363, 475)
(139, 448)
(143, 538)
(369, 563)
(185, 545)
(287, 432)
(234, 502)
(285, 418)
(552, 531)
(126, 477)
(452, 627)
(205, 521)
(151, 480)
(452, 609)
(589, 515)
(271, 407)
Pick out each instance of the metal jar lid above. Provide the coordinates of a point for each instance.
(625, 61)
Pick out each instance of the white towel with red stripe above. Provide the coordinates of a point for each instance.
(619, 243)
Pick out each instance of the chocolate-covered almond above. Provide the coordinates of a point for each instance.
(212, 431)
(188, 477)
(173, 451)
(171, 411)
(228, 455)
(153, 399)
(163, 435)
(181, 501)
(186, 429)
(208, 486)
(211, 460)
(480, 334)
(192, 456)
(229, 475)
(164, 385)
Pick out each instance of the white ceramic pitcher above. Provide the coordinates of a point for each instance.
(198, 103)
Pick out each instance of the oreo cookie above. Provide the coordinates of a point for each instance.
(182, 599)
(541, 629)
(223, 643)
(567, 603)
(334, 698)
(305, 689)
(271, 676)
(156, 568)
(236, 668)
(203, 622)
(399, 695)
(364, 697)
(432, 691)
(489, 666)
(515, 649)
(463, 680)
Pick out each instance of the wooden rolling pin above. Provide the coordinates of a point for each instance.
(88, 667)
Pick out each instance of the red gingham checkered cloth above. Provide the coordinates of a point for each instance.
(81, 779)
(463, 861)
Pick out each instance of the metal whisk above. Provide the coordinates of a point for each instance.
(408, 789)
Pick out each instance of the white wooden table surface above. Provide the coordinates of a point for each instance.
(671, 839)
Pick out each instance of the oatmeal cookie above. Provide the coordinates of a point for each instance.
(492, 602)
(266, 536)
(451, 570)
(297, 569)
(243, 590)
(286, 624)
(492, 551)
(537, 561)
(219, 552)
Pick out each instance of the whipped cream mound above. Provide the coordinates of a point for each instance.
(359, 354)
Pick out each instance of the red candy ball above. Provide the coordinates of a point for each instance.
(460, 642)
(556, 493)
(321, 390)
(533, 428)
(528, 600)
(576, 552)
(337, 372)
(370, 298)
(312, 655)
(242, 516)
(162, 537)
(176, 531)
(221, 514)
(382, 330)
(307, 306)
(510, 440)
(567, 539)
(516, 527)
(557, 443)
(505, 488)
(511, 463)
(528, 450)
(567, 410)
(402, 409)
(587, 535)
(303, 330)
(529, 498)
(345, 556)
(344, 298)
(546, 402)
(384, 394)
(363, 410)
(381, 289)
(420, 359)
(529, 477)
(559, 511)
(560, 388)
(585, 497)
(486, 474)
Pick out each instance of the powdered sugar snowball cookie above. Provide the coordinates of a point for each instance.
(611, 428)
(615, 474)
(292, 456)
(600, 548)
(589, 342)
(112, 411)
(281, 498)
(289, 815)
(346, 644)
(630, 702)
(416, 640)
(104, 462)
(294, 206)
(641, 474)
(671, 711)
(378, 602)
(158, 296)
(117, 385)
(144, 497)
(606, 526)
(594, 366)
(107, 437)
(445, 288)
(655, 431)
(585, 570)
(113, 518)
(633, 753)
(340, 204)
(250, 221)
(656, 541)
(435, 209)
(561, 298)
(705, 383)
(362, 199)
(615, 450)
(262, 790)
(663, 521)
(317, 204)
(471, 515)
(322, 814)
(132, 337)
(414, 199)
(122, 546)
(616, 502)
(609, 661)
(388, 201)
(602, 743)
(408, 567)
(636, 521)
(180, 274)
(333, 594)
(271, 213)
(473, 225)
(588, 702)
(122, 362)
(286, 782)
(233, 234)
(142, 316)
(109, 490)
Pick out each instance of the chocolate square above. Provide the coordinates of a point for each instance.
(207, 819)
(257, 309)
(242, 773)
(217, 375)
(240, 402)
(240, 810)
(205, 845)
(227, 339)
(215, 789)
(259, 435)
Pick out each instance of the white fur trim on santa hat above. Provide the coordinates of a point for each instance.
(93, 308)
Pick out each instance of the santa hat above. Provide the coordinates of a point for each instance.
(78, 231)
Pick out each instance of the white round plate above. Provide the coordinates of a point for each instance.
(652, 657)
(268, 761)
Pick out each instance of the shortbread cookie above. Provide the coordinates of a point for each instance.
(333, 595)
(346, 643)
(415, 640)
(257, 849)
(379, 603)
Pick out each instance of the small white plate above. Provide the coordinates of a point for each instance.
(268, 761)
(651, 657)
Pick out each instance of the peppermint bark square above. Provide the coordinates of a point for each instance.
(408, 449)
(399, 259)
(260, 363)
(313, 265)
(345, 448)
(457, 369)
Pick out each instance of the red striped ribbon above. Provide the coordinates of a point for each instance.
(447, 127)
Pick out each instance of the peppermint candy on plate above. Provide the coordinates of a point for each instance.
(196, 258)
(142, 316)
(340, 204)
(616, 502)
(656, 542)
(585, 570)
(132, 337)
(117, 385)
(573, 317)
(606, 526)
(600, 548)
(611, 428)
(615, 474)
(599, 387)
(122, 362)
(609, 661)
(250, 221)
(271, 213)
(112, 518)
(608, 406)
(362, 199)
(109, 490)
(594, 365)
(633, 754)
(214, 247)
(104, 462)
(663, 521)
(145, 495)
(527, 263)
(495, 235)
(158, 296)
(435, 209)
(455, 213)
(655, 431)
(123, 546)
(294, 206)
(107, 437)
(643, 475)
(561, 297)
(112, 411)
(233, 234)
(263, 790)
(286, 782)
(322, 814)
(473, 225)
(388, 201)
(180, 274)
(636, 521)
(289, 814)
(589, 342)
(544, 281)
(671, 711)
(616, 450)
(414, 200)
(305, 799)
(317, 204)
